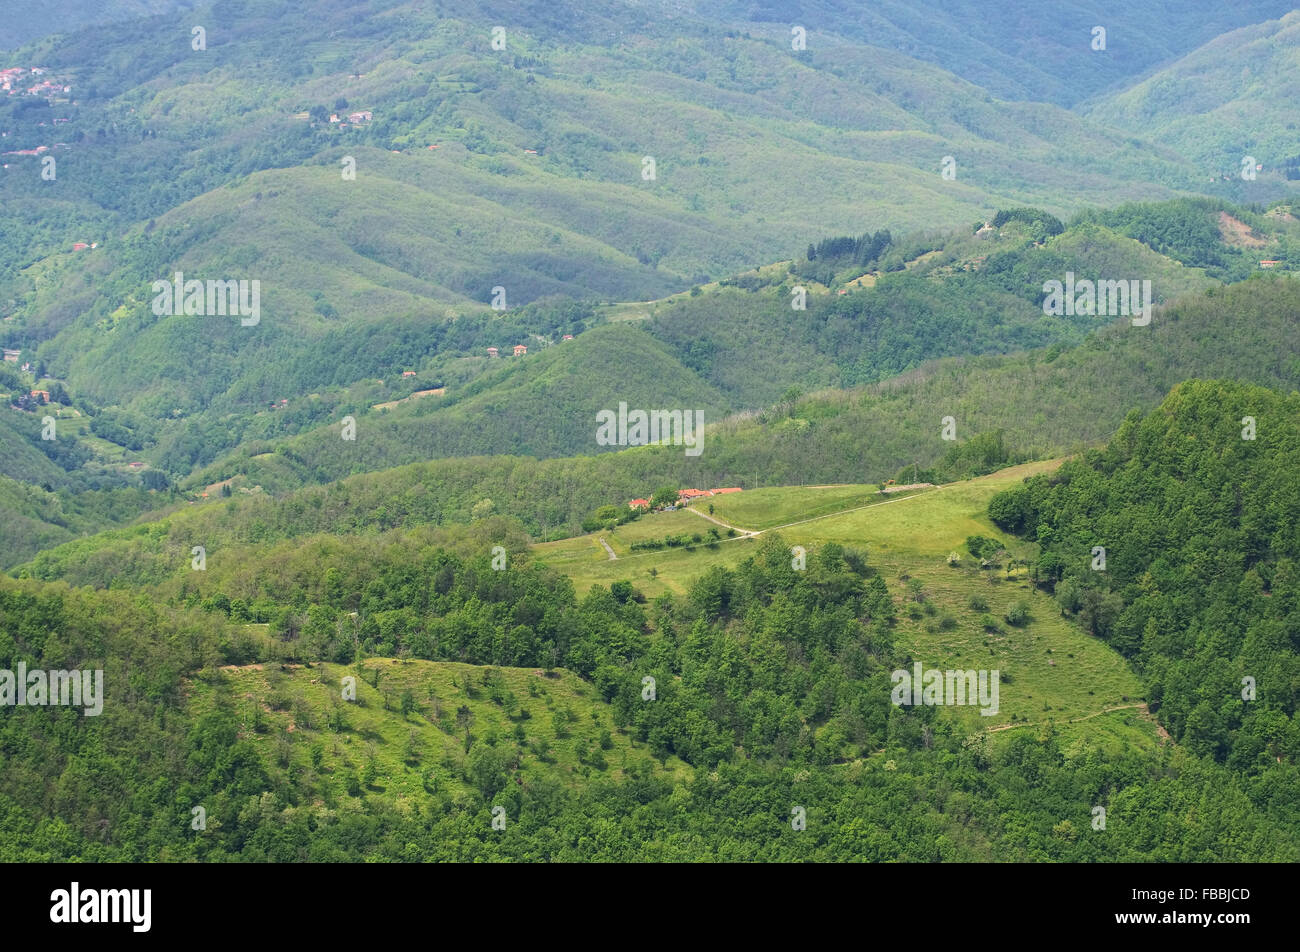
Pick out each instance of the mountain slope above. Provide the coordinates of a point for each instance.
(1018, 49)
(28, 20)
(1228, 99)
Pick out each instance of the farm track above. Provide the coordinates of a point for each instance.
(1085, 717)
(800, 522)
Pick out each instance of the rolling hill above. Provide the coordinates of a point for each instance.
(1220, 103)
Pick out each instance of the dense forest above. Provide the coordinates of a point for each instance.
(1177, 544)
(772, 689)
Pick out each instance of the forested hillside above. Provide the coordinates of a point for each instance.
(1196, 506)
(27, 20)
(766, 680)
(1018, 49)
(980, 325)
(1223, 102)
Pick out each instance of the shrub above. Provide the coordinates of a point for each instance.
(1018, 614)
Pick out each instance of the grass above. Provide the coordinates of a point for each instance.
(781, 505)
(294, 705)
(587, 563)
(1056, 672)
(932, 525)
(778, 505)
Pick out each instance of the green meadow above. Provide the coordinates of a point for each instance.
(950, 616)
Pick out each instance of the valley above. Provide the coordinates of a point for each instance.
(652, 432)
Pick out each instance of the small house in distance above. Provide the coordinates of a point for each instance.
(520, 350)
(567, 337)
(493, 352)
(12, 355)
(1270, 263)
(639, 504)
(408, 373)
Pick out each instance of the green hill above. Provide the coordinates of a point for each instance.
(423, 231)
(1017, 49)
(772, 686)
(28, 20)
(1224, 101)
(1195, 507)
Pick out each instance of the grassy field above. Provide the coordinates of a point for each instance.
(781, 505)
(585, 560)
(291, 712)
(949, 616)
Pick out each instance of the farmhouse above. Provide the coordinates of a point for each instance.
(639, 504)
(12, 355)
(520, 350)
(493, 352)
(1270, 263)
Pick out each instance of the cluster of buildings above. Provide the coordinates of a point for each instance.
(13, 82)
(356, 118)
(685, 496)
